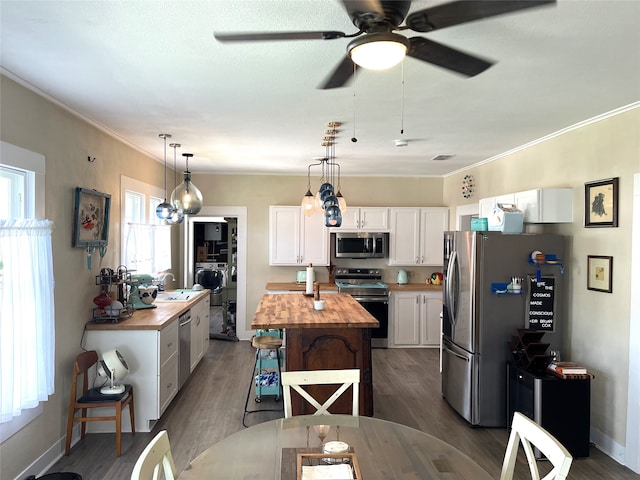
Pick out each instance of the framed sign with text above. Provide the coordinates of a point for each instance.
(541, 304)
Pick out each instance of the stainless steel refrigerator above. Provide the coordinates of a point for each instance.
(480, 316)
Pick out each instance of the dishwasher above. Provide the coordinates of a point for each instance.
(184, 352)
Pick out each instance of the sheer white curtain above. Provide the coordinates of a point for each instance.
(27, 317)
(148, 248)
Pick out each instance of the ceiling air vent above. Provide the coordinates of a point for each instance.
(440, 158)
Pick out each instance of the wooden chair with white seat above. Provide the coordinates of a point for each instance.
(530, 434)
(297, 380)
(92, 398)
(155, 456)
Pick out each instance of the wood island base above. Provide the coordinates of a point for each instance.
(327, 349)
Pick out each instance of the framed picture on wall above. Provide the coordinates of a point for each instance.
(91, 218)
(600, 273)
(601, 203)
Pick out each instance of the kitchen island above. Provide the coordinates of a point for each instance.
(337, 337)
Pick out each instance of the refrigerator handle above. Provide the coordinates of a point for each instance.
(452, 296)
(455, 354)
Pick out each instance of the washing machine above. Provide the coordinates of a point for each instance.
(213, 276)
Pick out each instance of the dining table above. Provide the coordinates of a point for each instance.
(381, 449)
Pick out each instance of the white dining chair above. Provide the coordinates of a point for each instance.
(344, 378)
(155, 456)
(530, 434)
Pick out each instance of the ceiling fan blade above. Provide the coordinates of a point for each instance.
(446, 57)
(266, 36)
(463, 11)
(343, 72)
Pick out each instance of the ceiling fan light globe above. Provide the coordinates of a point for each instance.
(378, 51)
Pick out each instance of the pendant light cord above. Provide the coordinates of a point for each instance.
(402, 99)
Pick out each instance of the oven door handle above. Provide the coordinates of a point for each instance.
(372, 299)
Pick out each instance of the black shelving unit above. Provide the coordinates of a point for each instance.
(561, 406)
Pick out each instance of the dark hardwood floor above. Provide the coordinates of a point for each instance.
(210, 408)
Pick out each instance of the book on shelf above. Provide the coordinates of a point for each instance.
(567, 368)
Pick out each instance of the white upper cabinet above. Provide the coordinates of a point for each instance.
(364, 219)
(295, 239)
(540, 205)
(546, 205)
(416, 235)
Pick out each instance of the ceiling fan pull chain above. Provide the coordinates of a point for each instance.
(354, 139)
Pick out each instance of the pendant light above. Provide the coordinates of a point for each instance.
(178, 215)
(164, 210)
(187, 196)
(328, 200)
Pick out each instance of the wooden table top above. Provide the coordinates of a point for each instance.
(293, 310)
(384, 450)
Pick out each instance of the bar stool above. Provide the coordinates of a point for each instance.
(263, 341)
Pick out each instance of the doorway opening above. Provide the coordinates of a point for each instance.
(215, 256)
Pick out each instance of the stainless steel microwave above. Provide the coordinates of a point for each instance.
(361, 245)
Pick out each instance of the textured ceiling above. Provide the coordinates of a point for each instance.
(140, 68)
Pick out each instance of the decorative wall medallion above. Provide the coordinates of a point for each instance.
(467, 186)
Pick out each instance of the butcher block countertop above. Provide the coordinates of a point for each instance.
(288, 310)
(393, 287)
(151, 318)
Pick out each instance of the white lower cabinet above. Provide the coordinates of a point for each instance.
(199, 331)
(152, 356)
(415, 319)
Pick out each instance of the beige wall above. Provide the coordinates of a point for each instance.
(35, 124)
(257, 192)
(598, 323)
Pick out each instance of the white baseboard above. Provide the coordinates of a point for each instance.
(607, 445)
(44, 462)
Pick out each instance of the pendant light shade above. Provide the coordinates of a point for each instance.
(177, 216)
(164, 210)
(332, 216)
(186, 196)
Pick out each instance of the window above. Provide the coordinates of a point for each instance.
(146, 240)
(27, 328)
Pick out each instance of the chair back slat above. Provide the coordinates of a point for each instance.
(528, 433)
(155, 457)
(298, 379)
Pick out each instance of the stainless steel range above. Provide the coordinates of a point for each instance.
(366, 287)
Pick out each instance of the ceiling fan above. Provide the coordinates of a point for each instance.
(376, 21)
